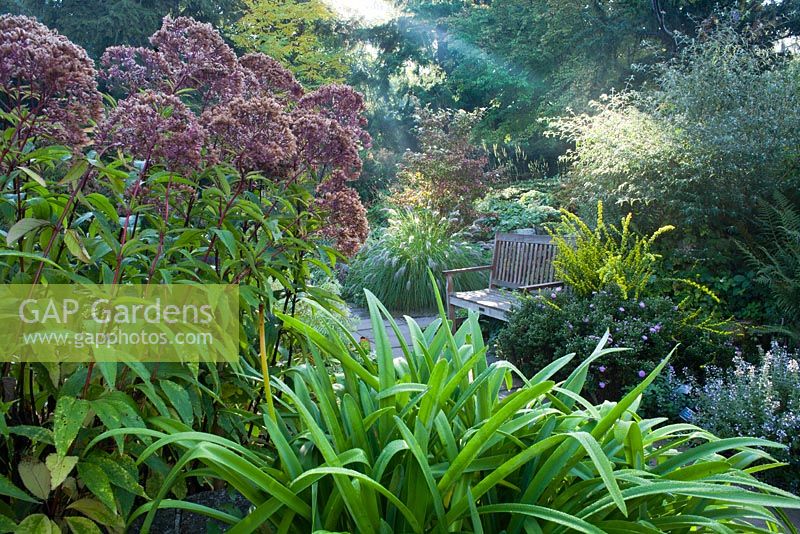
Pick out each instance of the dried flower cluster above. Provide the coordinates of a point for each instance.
(189, 103)
(47, 82)
(253, 134)
(347, 219)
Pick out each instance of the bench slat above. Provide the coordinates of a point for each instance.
(518, 261)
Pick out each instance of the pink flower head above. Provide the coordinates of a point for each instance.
(254, 134)
(265, 75)
(156, 128)
(55, 79)
(346, 219)
(133, 68)
(343, 104)
(196, 53)
(324, 143)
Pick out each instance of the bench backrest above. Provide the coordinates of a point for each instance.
(522, 260)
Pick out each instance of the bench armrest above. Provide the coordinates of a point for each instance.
(546, 285)
(449, 286)
(467, 270)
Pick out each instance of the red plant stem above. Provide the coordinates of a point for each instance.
(160, 237)
(222, 215)
(59, 224)
(128, 212)
(88, 379)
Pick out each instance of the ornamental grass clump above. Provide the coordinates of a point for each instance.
(424, 443)
(394, 264)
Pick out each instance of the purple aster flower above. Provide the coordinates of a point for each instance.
(642, 305)
(553, 295)
(642, 374)
(602, 385)
(655, 329)
(621, 309)
(602, 369)
(644, 338)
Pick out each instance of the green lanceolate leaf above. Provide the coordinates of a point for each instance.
(82, 525)
(37, 524)
(179, 398)
(75, 245)
(67, 421)
(98, 483)
(7, 524)
(97, 512)
(22, 228)
(8, 489)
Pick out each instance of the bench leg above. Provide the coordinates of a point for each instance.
(451, 310)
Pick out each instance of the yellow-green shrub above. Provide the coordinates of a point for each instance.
(606, 257)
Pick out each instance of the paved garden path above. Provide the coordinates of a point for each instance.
(364, 328)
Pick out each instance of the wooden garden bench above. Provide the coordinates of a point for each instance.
(520, 262)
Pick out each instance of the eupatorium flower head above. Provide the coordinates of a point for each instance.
(196, 52)
(346, 219)
(186, 54)
(343, 104)
(253, 134)
(324, 143)
(55, 78)
(156, 128)
(266, 76)
(132, 68)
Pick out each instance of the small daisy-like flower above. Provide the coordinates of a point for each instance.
(655, 329)
(641, 374)
(602, 385)
(644, 338)
(621, 309)
(642, 305)
(602, 369)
